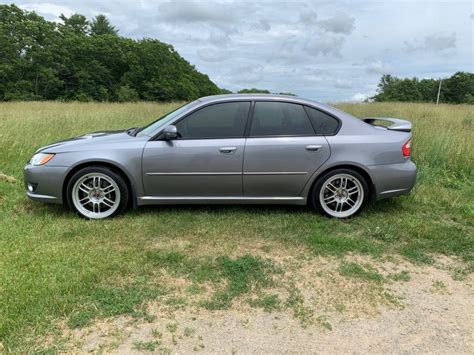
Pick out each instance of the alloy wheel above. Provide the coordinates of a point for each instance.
(341, 195)
(96, 195)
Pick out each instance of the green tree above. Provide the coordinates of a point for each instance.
(459, 88)
(253, 91)
(44, 60)
(28, 64)
(428, 89)
(125, 93)
(76, 23)
(101, 26)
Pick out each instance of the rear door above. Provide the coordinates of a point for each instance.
(206, 161)
(282, 150)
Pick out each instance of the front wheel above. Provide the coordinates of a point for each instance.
(341, 193)
(97, 192)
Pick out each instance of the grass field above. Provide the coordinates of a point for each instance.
(59, 271)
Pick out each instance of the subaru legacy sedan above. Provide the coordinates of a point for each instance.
(230, 149)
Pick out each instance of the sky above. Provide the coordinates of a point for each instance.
(324, 50)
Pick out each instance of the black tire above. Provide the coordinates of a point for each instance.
(315, 198)
(119, 181)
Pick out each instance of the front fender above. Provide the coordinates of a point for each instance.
(127, 161)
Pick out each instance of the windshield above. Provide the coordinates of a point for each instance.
(151, 129)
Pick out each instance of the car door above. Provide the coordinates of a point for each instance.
(282, 150)
(205, 161)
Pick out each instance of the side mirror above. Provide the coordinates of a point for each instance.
(170, 132)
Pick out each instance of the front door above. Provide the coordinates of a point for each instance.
(205, 161)
(282, 151)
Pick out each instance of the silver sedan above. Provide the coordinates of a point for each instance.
(229, 149)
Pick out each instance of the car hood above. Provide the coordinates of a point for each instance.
(89, 138)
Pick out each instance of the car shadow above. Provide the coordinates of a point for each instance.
(382, 207)
(387, 206)
(224, 208)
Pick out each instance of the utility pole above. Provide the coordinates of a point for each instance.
(439, 91)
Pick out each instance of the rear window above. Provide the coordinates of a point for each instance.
(322, 122)
(280, 119)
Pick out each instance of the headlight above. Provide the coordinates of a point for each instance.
(41, 158)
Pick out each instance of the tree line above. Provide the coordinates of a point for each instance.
(457, 89)
(87, 60)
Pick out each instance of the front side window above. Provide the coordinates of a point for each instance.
(280, 119)
(322, 122)
(225, 120)
(153, 127)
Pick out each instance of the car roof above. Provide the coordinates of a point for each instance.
(273, 97)
(269, 97)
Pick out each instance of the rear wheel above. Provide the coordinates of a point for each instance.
(97, 192)
(341, 193)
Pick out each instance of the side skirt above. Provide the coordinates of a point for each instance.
(188, 200)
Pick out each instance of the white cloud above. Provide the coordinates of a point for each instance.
(212, 54)
(326, 45)
(360, 97)
(308, 17)
(263, 25)
(306, 47)
(339, 23)
(377, 67)
(48, 10)
(343, 84)
(437, 42)
(193, 11)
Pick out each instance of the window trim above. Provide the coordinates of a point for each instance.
(249, 120)
(158, 136)
(339, 122)
(280, 135)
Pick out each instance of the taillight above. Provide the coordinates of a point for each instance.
(406, 148)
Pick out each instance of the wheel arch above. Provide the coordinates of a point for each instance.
(105, 164)
(362, 171)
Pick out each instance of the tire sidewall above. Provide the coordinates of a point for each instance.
(320, 182)
(124, 192)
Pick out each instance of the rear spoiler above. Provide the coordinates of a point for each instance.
(398, 124)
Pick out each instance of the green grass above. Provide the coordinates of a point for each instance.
(400, 276)
(150, 345)
(240, 275)
(269, 303)
(366, 272)
(113, 301)
(55, 266)
(295, 301)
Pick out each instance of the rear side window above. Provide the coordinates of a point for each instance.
(280, 119)
(322, 122)
(225, 120)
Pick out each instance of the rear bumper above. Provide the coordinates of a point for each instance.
(393, 179)
(44, 183)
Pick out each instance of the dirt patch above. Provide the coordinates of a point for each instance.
(422, 309)
(7, 178)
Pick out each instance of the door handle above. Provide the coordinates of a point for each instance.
(313, 147)
(227, 150)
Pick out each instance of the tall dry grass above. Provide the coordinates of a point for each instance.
(26, 126)
(443, 135)
(443, 144)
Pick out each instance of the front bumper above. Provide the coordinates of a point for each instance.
(393, 179)
(44, 183)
